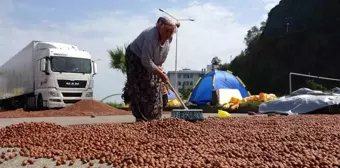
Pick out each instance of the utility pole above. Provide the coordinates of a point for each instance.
(176, 52)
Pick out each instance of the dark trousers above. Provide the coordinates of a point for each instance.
(165, 100)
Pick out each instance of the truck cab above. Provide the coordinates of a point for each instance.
(63, 76)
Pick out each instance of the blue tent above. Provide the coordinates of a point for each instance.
(213, 80)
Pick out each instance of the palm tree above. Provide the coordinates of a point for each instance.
(117, 58)
(117, 62)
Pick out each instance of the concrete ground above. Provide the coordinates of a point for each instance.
(64, 121)
(44, 163)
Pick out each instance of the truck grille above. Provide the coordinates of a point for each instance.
(72, 94)
(70, 101)
(72, 84)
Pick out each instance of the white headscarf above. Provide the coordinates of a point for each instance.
(167, 21)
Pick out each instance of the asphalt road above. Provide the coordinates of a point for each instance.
(64, 121)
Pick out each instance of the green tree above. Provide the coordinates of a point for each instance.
(299, 36)
(315, 86)
(252, 35)
(224, 67)
(246, 62)
(216, 61)
(185, 92)
(117, 62)
(117, 58)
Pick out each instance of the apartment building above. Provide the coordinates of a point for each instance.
(185, 77)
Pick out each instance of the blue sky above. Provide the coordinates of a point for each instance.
(95, 26)
(245, 11)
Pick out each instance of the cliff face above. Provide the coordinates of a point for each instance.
(300, 36)
(294, 16)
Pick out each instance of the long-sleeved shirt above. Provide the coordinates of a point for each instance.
(149, 49)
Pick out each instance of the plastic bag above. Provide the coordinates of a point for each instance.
(223, 114)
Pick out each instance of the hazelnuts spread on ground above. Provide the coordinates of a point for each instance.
(293, 141)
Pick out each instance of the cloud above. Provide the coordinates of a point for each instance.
(5, 8)
(268, 5)
(215, 32)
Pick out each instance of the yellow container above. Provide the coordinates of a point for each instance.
(223, 114)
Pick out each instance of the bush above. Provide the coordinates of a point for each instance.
(315, 86)
(116, 105)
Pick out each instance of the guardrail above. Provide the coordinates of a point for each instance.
(116, 94)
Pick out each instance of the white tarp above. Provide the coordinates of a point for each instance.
(224, 95)
(302, 101)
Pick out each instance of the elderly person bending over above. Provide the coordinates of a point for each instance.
(144, 59)
(165, 88)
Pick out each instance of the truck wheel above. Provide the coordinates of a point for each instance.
(26, 107)
(7, 105)
(40, 103)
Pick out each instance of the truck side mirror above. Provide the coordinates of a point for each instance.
(94, 68)
(43, 65)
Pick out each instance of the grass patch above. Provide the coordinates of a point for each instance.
(115, 105)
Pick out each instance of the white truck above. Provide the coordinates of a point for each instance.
(46, 75)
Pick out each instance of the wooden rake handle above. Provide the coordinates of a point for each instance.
(179, 98)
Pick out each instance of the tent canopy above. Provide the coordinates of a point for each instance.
(171, 95)
(214, 80)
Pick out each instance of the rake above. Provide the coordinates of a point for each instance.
(186, 114)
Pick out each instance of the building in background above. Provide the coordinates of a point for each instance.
(188, 77)
(185, 77)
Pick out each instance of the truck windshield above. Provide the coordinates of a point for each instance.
(70, 64)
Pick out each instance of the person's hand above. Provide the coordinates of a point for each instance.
(164, 78)
(162, 75)
(160, 67)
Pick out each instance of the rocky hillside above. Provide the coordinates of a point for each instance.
(300, 36)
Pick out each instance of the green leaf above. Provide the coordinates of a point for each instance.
(117, 58)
